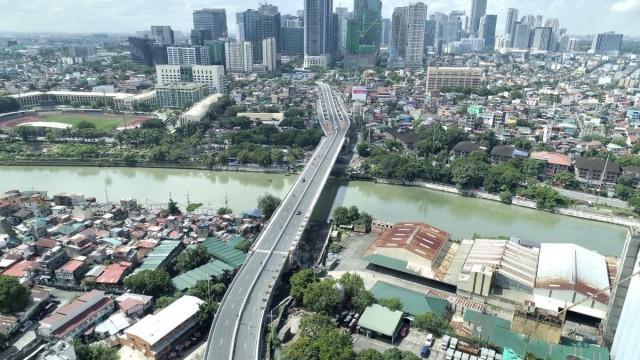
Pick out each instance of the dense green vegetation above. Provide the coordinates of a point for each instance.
(8, 104)
(191, 258)
(267, 204)
(94, 352)
(13, 296)
(150, 282)
(352, 215)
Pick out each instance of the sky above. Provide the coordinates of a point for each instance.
(580, 17)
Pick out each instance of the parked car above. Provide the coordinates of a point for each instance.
(453, 343)
(449, 355)
(429, 340)
(26, 325)
(445, 342)
(425, 352)
(457, 355)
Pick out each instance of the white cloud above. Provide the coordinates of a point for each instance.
(625, 5)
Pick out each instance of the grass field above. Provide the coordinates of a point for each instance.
(105, 123)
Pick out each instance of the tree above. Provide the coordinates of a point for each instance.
(567, 180)
(299, 282)
(94, 352)
(164, 301)
(397, 354)
(341, 216)
(8, 104)
(150, 282)
(361, 300)
(268, 204)
(172, 208)
(438, 325)
(331, 344)
(322, 297)
(634, 202)
(393, 303)
(203, 289)
(352, 284)
(207, 312)
(369, 354)
(469, 172)
(502, 177)
(363, 150)
(315, 325)
(191, 258)
(85, 125)
(13, 296)
(506, 197)
(224, 211)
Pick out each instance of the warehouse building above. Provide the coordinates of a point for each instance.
(198, 111)
(117, 101)
(156, 334)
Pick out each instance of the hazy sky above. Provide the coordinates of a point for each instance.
(578, 16)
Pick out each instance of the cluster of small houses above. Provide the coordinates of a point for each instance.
(71, 242)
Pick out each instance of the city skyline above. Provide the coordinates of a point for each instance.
(112, 16)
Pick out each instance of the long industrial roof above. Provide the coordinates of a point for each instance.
(421, 239)
(572, 267)
(223, 251)
(413, 302)
(153, 328)
(200, 109)
(204, 272)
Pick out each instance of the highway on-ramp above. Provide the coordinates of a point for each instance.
(236, 332)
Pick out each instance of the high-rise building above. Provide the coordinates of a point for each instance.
(292, 35)
(416, 22)
(238, 57)
(621, 327)
(367, 17)
(488, 31)
(430, 36)
(542, 38)
(522, 34)
(399, 31)
(261, 24)
(606, 43)
(216, 51)
(343, 24)
(319, 30)
(240, 27)
(538, 20)
(572, 45)
(162, 35)
(554, 24)
(510, 25)
(452, 30)
(213, 23)
(194, 55)
(478, 10)
(212, 76)
(386, 32)
(269, 54)
(141, 50)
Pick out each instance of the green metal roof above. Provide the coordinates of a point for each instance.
(223, 251)
(190, 278)
(380, 319)
(156, 258)
(391, 263)
(498, 332)
(413, 302)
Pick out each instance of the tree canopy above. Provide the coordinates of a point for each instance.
(268, 204)
(150, 282)
(13, 296)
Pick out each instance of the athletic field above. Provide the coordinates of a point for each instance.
(103, 122)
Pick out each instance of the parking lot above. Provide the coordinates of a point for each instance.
(413, 343)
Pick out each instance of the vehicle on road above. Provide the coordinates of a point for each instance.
(425, 352)
(298, 212)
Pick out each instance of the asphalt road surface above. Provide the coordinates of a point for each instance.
(236, 332)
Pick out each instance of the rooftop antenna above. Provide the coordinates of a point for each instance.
(106, 195)
(226, 201)
(188, 202)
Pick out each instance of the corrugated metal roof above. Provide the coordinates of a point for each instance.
(221, 250)
(380, 319)
(569, 266)
(190, 278)
(421, 239)
(413, 302)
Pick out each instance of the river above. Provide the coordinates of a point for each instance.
(460, 216)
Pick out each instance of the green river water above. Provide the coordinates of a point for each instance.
(458, 215)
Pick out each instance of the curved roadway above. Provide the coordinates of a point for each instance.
(236, 332)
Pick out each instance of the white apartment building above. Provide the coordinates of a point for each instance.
(238, 56)
(269, 57)
(195, 55)
(416, 27)
(212, 76)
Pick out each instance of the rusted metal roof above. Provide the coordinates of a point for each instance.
(421, 239)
